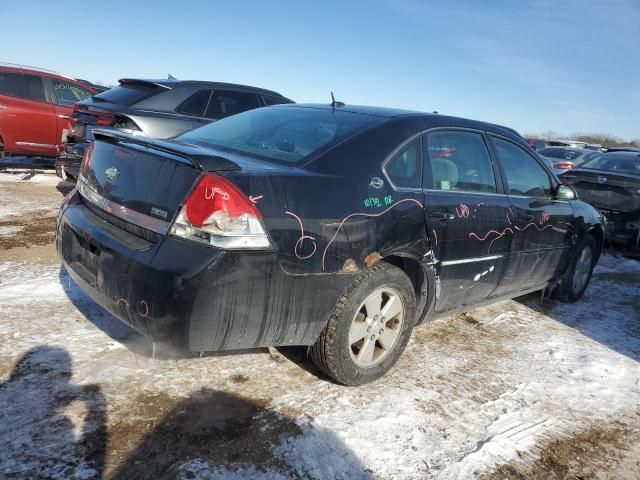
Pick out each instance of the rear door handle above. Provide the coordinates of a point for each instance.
(442, 216)
(2, 107)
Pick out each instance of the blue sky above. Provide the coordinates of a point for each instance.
(562, 65)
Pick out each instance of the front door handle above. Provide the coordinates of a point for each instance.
(442, 216)
(2, 107)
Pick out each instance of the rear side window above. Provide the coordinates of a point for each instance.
(226, 103)
(459, 161)
(404, 168)
(195, 104)
(525, 176)
(268, 100)
(21, 85)
(67, 94)
(128, 94)
(286, 135)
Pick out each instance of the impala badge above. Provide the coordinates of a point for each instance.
(601, 179)
(112, 173)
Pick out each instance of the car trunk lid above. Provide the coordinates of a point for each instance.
(143, 181)
(606, 190)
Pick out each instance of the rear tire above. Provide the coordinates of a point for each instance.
(369, 328)
(576, 279)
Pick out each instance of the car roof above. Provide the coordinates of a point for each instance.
(172, 83)
(387, 112)
(36, 70)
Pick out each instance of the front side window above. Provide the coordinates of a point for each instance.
(66, 94)
(195, 104)
(22, 85)
(282, 134)
(525, 176)
(404, 168)
(225, 104)
(459, 161)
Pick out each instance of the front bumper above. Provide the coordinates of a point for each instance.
(192, 296)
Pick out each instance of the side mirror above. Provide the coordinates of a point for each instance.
(565, 192)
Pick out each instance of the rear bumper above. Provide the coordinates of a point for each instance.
(623, 228)
(191, 296)
(69, 159)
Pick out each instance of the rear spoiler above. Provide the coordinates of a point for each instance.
(200, 159)
(143, 83)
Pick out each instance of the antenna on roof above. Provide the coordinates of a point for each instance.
(436, 112)
(335, 103)
(171, 77)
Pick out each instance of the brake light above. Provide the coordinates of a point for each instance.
(104, 120)
(217, 213)
(565, 165)
(86, 159)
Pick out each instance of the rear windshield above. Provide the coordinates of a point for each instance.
(127, 95)
(562, 153)
(282, 134)
(615, 163)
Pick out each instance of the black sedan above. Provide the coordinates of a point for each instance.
(611, 183)
(336, 227)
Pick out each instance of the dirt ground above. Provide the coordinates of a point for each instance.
(517, 390)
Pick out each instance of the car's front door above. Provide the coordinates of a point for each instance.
(466, 215)
(542, 225)
(27, 120)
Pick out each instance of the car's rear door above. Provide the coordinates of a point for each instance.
(27, 120)
(466, 215)
(542, 226)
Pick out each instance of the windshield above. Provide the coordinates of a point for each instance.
(615, 163)
(282, 134)
(562, 153)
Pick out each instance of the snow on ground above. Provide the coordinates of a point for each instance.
(82, 395)
(36, 198)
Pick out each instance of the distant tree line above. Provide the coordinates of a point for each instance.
(603, 139)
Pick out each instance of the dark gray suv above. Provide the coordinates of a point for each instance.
(156, 109)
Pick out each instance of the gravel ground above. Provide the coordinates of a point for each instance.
(517, 390)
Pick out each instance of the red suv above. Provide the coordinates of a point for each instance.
(35, 106)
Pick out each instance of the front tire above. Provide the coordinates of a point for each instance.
(369, 328)
(578, 275)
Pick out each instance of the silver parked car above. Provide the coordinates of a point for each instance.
(157, 109)
(562, 159)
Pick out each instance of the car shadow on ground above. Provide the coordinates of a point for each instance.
(51, 428)
(609, 312)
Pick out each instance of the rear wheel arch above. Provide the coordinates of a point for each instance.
(422, 279)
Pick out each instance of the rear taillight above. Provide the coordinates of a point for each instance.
(565, 165)
(104, 120)
(568, 179)
(217, 213)
(85, 160)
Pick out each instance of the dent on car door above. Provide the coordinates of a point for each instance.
(465, 213)
(541, 225)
